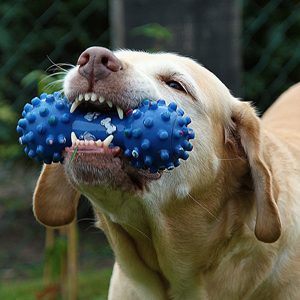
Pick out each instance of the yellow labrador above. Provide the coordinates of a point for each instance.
(225, 224)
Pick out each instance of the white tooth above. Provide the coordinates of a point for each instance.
(101, 99)
(108, 140)
(99, 143)
(94, 97)
(109, 103)
(92, 143)
(87, 96)
(77, 142)
(80, 97)
(73, 138)
(82, 143)
(74, 106)
(120, 112)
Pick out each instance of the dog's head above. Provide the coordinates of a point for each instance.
(227, 156)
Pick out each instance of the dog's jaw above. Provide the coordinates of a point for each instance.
(107, 167)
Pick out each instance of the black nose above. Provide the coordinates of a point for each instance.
(97, 63)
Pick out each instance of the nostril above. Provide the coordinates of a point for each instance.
(105, 61)
(83, 59)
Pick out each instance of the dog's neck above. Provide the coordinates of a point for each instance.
(181, 230)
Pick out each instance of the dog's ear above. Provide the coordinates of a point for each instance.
(55, 200)
(246, 129)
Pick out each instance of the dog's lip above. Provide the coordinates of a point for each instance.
(93, 149)
(92, 157)
(86, 156)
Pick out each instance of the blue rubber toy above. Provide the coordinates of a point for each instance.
(153, 136)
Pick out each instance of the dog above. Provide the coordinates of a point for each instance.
(225, 224)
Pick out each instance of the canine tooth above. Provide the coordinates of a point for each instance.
(109, 103)
(120, 112)
(80, 97)
(108, 140)
(101, 99)
(99, 143)
(87, 97)
(94, 97)
(74, 106)
(73, 137)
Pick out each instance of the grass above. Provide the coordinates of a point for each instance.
(93, 285)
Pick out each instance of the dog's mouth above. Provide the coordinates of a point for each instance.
(91, 162)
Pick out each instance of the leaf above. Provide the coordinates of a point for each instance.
(153, 30)
(72, 158)
(32, 78)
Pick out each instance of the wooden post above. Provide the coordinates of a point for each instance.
(68, 284)
(64, 268)
(47, 266)
(72, 261)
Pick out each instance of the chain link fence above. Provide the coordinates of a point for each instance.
(271, 49)
(34, 36)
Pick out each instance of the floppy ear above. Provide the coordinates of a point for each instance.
(55, 200)
(247, 129)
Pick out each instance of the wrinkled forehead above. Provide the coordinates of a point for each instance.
(200, 81)
(159, 62)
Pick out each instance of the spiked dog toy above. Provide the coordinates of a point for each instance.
(153, 136)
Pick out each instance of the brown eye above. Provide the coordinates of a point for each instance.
(175, 85)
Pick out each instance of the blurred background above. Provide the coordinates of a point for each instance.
(253, 46)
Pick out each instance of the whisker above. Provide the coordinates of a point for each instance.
(234, 158)
(65, 64)
(58, 81)
(52, 75)
(135, 229)
(204, 208)
(56, 73)
(51, 85)
(59, 65)
(85, 219)
(139, 232)
(92, 226)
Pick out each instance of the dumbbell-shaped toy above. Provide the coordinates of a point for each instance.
(153, 136)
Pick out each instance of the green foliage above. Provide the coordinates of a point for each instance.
(56, 254)
(93, 285)
(45, 83)
(155, 31)
(8, 121)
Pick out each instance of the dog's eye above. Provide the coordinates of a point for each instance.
(175, 85)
